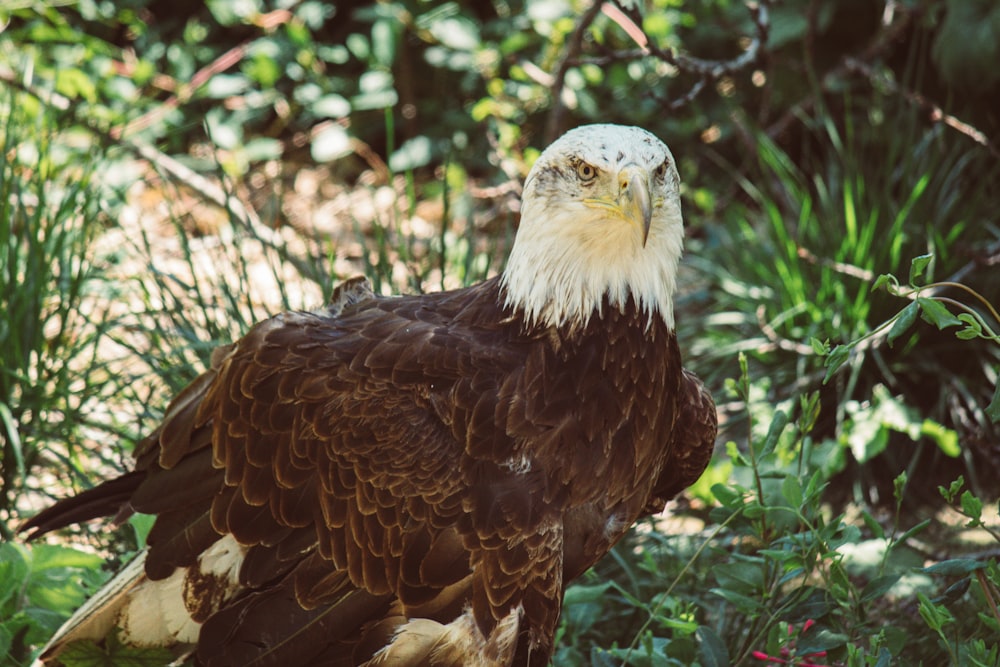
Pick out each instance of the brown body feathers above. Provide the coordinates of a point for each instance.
(398, 481)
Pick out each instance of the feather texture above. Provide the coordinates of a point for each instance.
(403, 481)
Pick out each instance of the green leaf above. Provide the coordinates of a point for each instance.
(821, 348)
(743, 603)
(711, 649)
(48, 556)
(918, 265)
(903, 322)
(919, 528)
(14, 569)
(935, 616)
(936, 313)
(579, 594)
(727, 496)
(972, 507)
(878, 587)
(993, 409)
(951, 492)
(946, 439)
(791, 488)
(86, 653)
(955, 567)
(817, 641)
(743, 577)
(778, 424)
(226, 85)
(886, 280)
(835, 360)
(872, 524)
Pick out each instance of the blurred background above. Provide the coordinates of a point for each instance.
(174, 171)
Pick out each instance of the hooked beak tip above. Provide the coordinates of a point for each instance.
(635, 198)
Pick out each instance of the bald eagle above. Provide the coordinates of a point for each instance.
(414, 480)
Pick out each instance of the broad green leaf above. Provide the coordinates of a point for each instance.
(577, 593)
(260, 149)
(936, 616)
(946, 438)
(936, 313)
(742, 577)
(903, 322)
(14, 568)
(711, 649)
(918, 265)
(48, 556)
(817, 641)
(878, 587)
(383, 42)
(791, 488)
(226, 85)
(919, 528)
(727, 495)
(972, 506)
(457, 33)
(743, 603)
(820, 348)
(872, 524)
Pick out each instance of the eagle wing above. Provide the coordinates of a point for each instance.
(693, 438)
(389, 481)
(332, 450)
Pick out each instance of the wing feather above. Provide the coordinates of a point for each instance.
(354, 455)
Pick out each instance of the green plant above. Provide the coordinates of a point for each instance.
(806, 239)
(51, 376)
(928, 302)
(49, 329)
(776, 577)
(39, 588)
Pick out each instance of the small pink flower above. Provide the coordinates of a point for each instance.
(786, 651)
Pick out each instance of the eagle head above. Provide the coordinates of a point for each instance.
(600, 223)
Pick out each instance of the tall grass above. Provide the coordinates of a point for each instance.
(51, 376)
(48, 330)
(800, 246)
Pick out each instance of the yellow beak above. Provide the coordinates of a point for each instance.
(633, 198)
(632, 201)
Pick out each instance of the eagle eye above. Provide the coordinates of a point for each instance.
(661, 171)
(586, 172)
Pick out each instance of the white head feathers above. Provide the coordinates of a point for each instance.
(600, 216)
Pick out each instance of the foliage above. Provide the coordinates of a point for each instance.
(933, 308)
(851, 143)
(49, 332)
(812, 231)
(39, 588)
(776, 577)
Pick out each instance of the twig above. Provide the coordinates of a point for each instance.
(208, 189)
(706, 71)
(934, 112)
(184, 91)
(778, 341)
(554, 126)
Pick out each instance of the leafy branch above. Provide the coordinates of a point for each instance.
(926, 302)
(629, 19)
